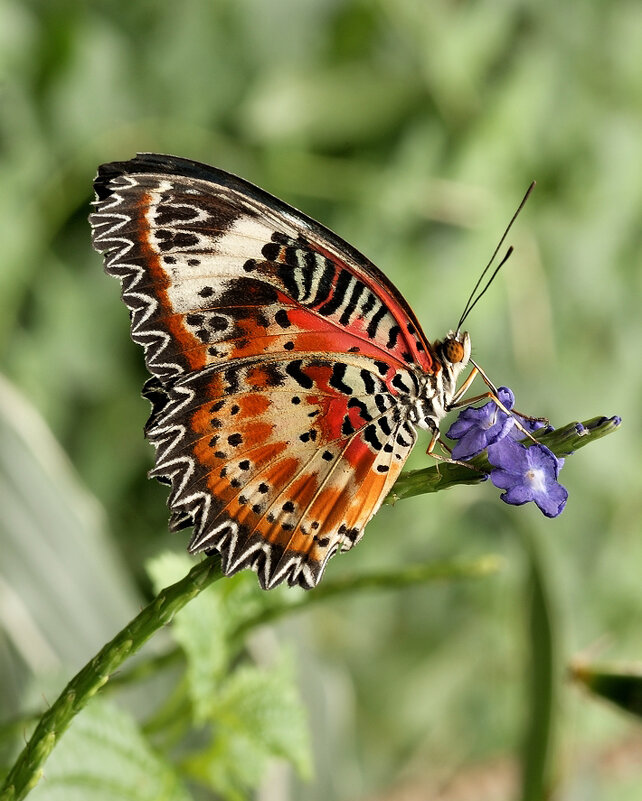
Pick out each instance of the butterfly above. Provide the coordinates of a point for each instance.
(288, 374)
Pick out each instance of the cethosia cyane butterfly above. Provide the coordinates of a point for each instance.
(289, 375)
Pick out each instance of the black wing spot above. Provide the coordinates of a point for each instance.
(194, 319)
(296, 400)
(288, 506)
(271, 251)
(382, 367)
(235, 409)
(206, 292)
(336, 379)
(235, 440)
(216, 407)
(368, 382)
(245, 464)
(382, 468)
(327, 455)
(289, 346)
(263, 488)
(218, 322)
(282, 319)
(355, 403)
(294, 370)
(352, 534)
(370, 436)
(398, 383)
(347, 428)
(393, 333)
(376, 318)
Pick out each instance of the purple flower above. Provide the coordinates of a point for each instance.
(527, 474)
(530, 425)
(477, 428)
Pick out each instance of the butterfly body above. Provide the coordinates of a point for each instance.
(288, 373)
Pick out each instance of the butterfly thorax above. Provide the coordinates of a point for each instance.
(438, 388)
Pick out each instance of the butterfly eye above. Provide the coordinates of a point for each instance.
(453, 351)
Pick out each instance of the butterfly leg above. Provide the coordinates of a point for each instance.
(436, 438)
(459, 403)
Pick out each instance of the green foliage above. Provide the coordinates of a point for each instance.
(256, 714)
(106, 757)
(250, 713)
(201, 629)
(412, 129)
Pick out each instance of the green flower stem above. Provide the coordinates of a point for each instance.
(385, 579)
(27, 770)
(562, 441)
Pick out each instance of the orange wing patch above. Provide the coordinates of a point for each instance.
(288, 460)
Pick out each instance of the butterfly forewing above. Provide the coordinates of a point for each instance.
(282, 363)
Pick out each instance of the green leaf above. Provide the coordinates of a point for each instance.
(105, 757)
(205, 626)
(52, 536)
(257, 715)
(621, 685)
(199, 628)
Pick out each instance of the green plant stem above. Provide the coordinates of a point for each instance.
(542, 669)
(562, 441)
(386, 579)
(27, 770)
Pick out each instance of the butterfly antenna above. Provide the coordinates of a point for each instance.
(472, 300)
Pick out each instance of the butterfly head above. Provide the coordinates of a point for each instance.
(453, 352)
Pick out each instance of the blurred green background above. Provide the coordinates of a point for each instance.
(412, 129)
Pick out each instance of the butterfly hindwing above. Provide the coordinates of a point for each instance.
(281, 359)
(279, 498)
